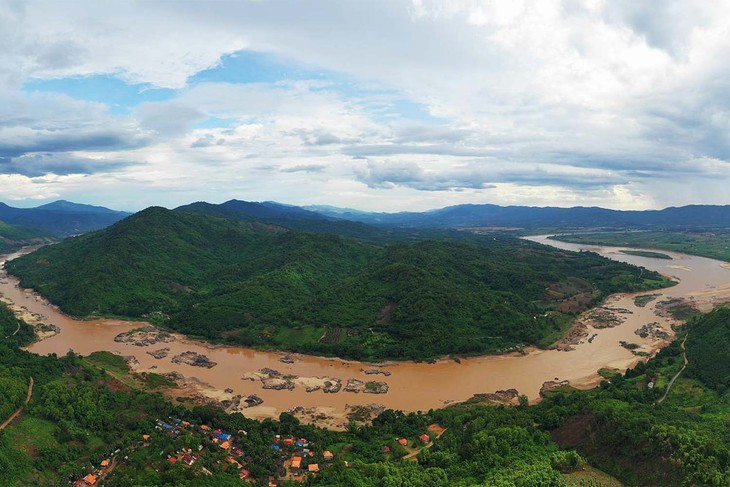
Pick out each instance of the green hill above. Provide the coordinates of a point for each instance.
(257, 284)
(708, 349)
(13, 237)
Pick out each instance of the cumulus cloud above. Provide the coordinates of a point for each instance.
(305, 168)
(596, 101)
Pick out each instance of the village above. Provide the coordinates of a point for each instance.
(296, 458)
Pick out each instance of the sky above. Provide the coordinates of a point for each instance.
(383, 105)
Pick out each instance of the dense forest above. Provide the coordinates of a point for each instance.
(708, 350)
(80, 415)
(263, 285)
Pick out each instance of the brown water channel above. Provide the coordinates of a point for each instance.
(413, 386)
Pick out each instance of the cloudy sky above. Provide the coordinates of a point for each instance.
(374, 104)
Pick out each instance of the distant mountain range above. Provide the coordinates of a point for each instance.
(64, 218)
(540, 217)
(61, 218)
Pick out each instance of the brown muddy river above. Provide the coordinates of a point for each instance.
(413, 386)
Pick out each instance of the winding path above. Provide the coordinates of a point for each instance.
(671, 382)
(20, 409)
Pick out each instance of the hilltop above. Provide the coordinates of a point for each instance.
(253, 283)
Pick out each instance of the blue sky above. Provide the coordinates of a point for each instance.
(384, 105)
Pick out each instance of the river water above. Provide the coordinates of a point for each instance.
(413, 386)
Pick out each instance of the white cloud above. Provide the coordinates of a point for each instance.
(593, 101)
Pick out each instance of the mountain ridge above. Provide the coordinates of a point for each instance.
(61, 218)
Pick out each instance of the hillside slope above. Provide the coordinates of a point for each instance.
(13, 237)
(258, 284)
(708, 349)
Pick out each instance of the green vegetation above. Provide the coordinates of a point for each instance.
(646, 253)
(254, 284)
(714, 244)
(80, 414)
(13, 237)
(645, 299)
(708, 350)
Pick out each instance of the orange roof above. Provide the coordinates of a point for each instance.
(403, 441)
(296, 462)
(173, 459)
(105, 463)
(185, 423)
(204, 427)
(145, 437)
(313, 467)
(225, 445)
(328, 454)
(90, 479)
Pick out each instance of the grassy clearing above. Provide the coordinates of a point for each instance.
(590, 477)
(32, 434)
(293, 337)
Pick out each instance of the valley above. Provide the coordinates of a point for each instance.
(702, 282)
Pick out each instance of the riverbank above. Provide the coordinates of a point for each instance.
(411, 386)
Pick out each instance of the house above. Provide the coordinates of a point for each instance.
(296, 462)
(90, 479)
(424, 438)
(313, 468)
(173, 459)
(244, 474)
(145, 437)
(104, 463)
(185, 423)
(226, 445)
(288, 441)
(204, 427)
(403, 441)
(188, 460)
(328, 455)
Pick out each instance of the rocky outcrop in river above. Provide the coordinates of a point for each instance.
(548, 386)
(195, 359)
(159, 354)
(377, 371)
(143, 337)
(653, 330)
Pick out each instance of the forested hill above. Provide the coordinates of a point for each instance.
(291, 217)
(13, 237)
(708, 350)
(257, 284)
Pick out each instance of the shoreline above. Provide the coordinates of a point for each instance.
(331, 412)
